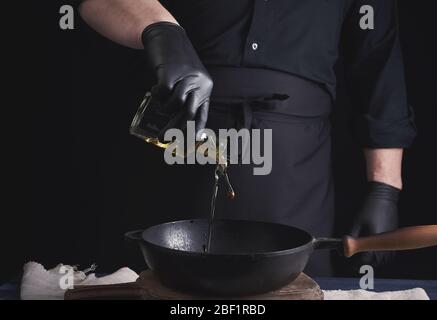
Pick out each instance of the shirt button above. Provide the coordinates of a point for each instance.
(254, 46)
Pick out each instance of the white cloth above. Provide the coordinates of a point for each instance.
(40, 284)
(413, 294)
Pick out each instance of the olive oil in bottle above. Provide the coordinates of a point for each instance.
(149, 121)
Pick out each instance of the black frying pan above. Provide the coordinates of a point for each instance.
(249, 258)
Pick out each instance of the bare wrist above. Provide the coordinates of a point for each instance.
(394, 182)
(385, 165)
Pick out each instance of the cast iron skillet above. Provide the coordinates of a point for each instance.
(249, 258)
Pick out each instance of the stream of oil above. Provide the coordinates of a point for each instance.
(211, 214)
(220, 173)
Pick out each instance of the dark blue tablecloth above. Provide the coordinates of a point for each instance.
(10, 291)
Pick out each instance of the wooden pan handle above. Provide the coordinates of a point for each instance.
(401, 239)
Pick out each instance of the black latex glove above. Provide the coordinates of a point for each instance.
(184, 86)
(378, 214)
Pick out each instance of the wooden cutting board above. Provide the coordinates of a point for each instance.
(148, 287)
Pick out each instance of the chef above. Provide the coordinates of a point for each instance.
(269, 64)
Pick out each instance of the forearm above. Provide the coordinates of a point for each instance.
(123, 21)
(385, 165)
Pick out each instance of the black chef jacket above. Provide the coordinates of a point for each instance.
(305, 38)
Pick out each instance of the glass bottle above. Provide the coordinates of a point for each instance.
(149, 121)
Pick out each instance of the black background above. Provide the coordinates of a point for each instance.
(78, 180)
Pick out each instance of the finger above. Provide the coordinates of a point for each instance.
(178, 97)
(165, 84)
(369, 258)
(189, 114)
(202, 117)
(387, 257)
(173, 123)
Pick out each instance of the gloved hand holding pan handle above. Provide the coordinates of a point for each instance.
(408, 238)
(183, 84)
(402, 239)
(378, 214)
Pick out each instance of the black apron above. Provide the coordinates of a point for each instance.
(299, 189)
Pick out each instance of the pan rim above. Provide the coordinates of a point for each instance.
(308, 245)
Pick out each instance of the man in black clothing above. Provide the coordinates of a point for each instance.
(269, 64)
